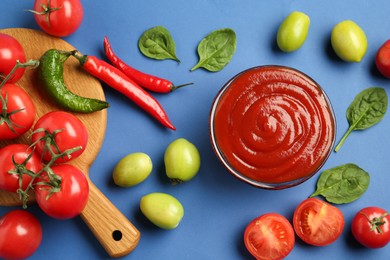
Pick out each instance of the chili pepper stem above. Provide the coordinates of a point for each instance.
(31, 63)
(173, 87)
(81, 58)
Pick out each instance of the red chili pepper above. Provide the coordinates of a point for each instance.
(145, 80)
(120, 82)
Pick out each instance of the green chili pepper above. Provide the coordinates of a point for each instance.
(51, 75)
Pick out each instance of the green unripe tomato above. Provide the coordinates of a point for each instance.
(349, 41)
(162, 209)
(132, 169)
(293, 31)
(182, 160)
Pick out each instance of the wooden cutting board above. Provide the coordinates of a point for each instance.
(113, 230)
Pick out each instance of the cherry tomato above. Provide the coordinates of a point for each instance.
(292, 32)
(72, 196)
(382, 59)
(162, 209)
(58, 17)
(132, 169)
(349, 41)
(20, 112)
(10, 52)
(269, 236)
(182, 160)
(371, 227)
(20, 234)
(317, 222)
(17, 158)
(65, 129)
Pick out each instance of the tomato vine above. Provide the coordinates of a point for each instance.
(54, 180)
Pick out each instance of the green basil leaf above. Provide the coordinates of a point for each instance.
(367, 109)
(342, 184)
(216, 50)
(157, 43)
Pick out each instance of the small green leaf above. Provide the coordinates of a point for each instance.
(216, 50)
(367, 109)
(157, 43)
(342, 184)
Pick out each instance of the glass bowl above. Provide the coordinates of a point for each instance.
(272, 126)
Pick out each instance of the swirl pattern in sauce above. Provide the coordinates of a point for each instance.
(273, 124)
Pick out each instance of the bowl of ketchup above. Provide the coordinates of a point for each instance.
(272, 126)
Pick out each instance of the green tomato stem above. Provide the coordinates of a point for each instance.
(376, 223)
(18, 65)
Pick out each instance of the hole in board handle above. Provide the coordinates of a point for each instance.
(117, 235)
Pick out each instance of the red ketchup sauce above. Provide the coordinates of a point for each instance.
(272, 126)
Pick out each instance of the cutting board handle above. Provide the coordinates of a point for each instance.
(114, 231)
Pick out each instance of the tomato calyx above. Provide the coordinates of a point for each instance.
(53, 182)
(5, 116)
(376, 223)
(175, 181)
(49, 139)
(47, 10)
(21, 168)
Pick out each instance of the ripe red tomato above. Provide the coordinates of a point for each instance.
(58, 17)
(371, 227)
(382, 59)
(71, 198)
(26, 161)
(20, 113)
(64, 130)
(10, 52)
(269, 236)
(20, 234)
(317, 222)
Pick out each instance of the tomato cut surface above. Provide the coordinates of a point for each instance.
(317, 222)
(270, 236)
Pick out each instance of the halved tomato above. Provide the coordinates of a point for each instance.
(317, 222)
(269, 236)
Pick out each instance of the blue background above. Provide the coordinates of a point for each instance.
(217, 206)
